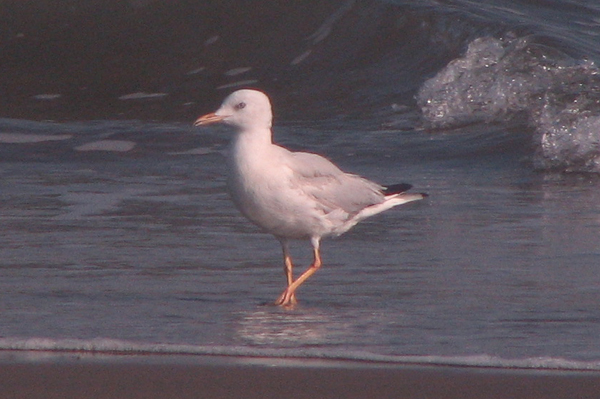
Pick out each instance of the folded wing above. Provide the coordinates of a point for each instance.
(330, 187)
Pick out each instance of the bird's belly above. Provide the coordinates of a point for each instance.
(277, 210)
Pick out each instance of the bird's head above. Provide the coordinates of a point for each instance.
(245, 109)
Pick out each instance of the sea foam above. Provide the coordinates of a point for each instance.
(113, 346)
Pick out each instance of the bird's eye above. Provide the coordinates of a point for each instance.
(241, 105)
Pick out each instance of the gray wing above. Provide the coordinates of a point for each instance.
(333, 189)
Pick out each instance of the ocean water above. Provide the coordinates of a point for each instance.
(118, 234)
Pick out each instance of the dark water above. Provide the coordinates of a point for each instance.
(117, 232)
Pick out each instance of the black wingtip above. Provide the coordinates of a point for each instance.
(396, 188)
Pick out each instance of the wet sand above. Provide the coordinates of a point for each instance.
(106, 376)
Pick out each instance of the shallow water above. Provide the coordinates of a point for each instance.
(498, 261)
(119, 235)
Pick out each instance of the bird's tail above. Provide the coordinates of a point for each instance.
(395, 195)
(396, 189)
(400, 191)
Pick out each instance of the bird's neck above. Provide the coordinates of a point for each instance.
(252, 142)
(248, 149)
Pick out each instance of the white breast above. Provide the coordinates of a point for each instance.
(260, 184)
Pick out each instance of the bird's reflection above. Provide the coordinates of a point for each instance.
(274, 327)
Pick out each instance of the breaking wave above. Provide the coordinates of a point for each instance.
(399, 64)
(522, 81)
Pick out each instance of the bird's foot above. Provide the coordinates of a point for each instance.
(287, 298)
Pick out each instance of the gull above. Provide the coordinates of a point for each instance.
(293, 195)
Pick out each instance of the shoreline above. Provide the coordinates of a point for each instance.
(28, 374)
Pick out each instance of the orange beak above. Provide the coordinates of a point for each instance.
(208, 119)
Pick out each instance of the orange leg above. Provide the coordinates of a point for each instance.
(288, 297)
(288, 267)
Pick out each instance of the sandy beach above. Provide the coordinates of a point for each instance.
(121, 376)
